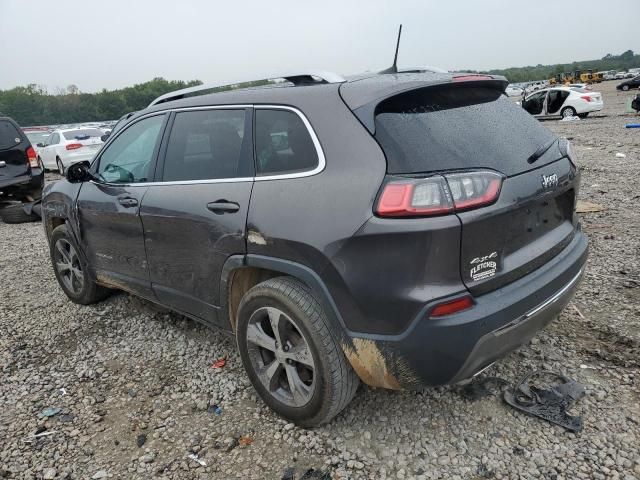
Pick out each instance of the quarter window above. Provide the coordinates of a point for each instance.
(283, 143)
(206, 145)
(128, 159)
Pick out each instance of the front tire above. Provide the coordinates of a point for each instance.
(568, 112)
(70, 270)
(625, 88)
(291, 354)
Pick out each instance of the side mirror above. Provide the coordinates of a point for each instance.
(79, 172)
(105, 136)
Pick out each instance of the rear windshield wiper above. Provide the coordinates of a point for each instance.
(542, 150)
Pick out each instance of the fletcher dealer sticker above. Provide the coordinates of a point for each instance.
(484, 267)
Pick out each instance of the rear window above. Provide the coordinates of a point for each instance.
(86, 132)
(37, 137)
(9, 135)
(457, 126)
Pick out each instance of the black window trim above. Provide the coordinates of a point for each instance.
(154, 157)
(162, 147)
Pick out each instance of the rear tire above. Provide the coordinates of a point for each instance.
(583, 115)
(16, 214)
(322, 378)
(568, 112)
(625, 88)
(60, 166)
(71, 271)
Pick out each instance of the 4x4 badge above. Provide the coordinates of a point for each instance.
(549, 181)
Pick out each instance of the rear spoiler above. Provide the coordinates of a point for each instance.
(366, 113)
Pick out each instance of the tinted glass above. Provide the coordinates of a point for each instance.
(53, 139)
(206, 145)
(8, 135)
(283, 143)
(129, 157)
(452, 127)
(84, 133)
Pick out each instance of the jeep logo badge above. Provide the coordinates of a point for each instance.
(549, 181)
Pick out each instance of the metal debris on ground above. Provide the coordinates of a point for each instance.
(49, 412)
(215, 409)
(197, 459)
(549, 404)
(588, 207)
(632, 125)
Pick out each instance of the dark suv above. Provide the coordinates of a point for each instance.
(21, 174)
(401, 229)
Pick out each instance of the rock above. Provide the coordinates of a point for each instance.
(100, 474)
(147, 458)
(49, 473)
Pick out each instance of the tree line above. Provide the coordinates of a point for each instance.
(620, 62)
(33, 105)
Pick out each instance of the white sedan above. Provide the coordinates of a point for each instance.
(65, 147)
(562, 101)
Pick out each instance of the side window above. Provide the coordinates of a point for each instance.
(129, 157)
(54, 139)
(207, 145)
(283, 143)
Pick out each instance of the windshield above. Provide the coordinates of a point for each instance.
(85, 132)
(37, 137)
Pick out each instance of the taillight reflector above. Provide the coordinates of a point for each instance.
(74, 146)
(586, 97)
(452, 306)
(32, 158)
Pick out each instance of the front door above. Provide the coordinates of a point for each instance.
(534, 103)
(194, 215)
(111, 232)
(555, 100)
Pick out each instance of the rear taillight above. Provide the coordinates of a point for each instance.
(32, 158)
(452, 306)
(74, 146)
(438, 195)
(586, 97)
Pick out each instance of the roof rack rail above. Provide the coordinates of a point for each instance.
(299, 78)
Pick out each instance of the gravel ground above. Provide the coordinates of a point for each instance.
(124, 372)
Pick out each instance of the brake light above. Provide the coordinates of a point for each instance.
(32, 158)
(438, 195)
(74, 146)
(586, 97)
(467, 78)
(452, 306)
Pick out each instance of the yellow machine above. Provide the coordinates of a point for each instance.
(588, 77)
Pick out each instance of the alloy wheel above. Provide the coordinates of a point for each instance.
(68, 266)
(281, 356)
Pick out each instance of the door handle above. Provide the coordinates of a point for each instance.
(128, 202)
(223, 206)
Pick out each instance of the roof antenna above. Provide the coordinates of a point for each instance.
(394, 68)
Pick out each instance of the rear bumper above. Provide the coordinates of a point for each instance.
(19, 187)
(454, 348)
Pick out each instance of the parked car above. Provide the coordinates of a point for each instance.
(65, 147)
(563, 102)
(629, 84)
(21, 174)
(621, 75)
(513, 91)
(342, 230)
(580, 86)
(37, 136)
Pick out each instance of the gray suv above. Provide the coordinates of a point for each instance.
(402, 229)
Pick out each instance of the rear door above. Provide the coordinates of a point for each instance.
(195, 213)
(463, 127)
(13, 158)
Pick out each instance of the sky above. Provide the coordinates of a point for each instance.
(116, 43)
